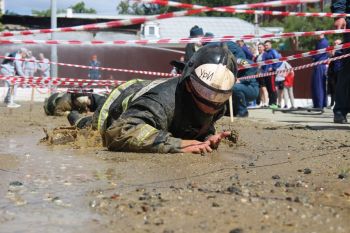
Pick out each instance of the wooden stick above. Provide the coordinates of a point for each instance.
(32, 100)
(230, 102)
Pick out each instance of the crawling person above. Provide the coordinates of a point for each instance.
(169, 115)
(61, 104)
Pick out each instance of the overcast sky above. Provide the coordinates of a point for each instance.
(25, 7)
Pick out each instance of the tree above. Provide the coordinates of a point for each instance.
(77, 8)
(80, 8)
(303, 24)
(125, 7)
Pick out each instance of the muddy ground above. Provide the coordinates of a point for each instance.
(277, 178)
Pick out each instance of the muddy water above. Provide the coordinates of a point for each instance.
(276, 179)
(50, 187)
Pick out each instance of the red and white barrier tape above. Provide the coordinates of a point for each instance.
(178, 41)
(160, 74)
(139, 20)
(44, 82)
(111, 24)
(240, 6)
(296, 68)
(153, 73)
(59, 81)
(297, 56)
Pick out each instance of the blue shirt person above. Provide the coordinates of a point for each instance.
(245, 49)
(94, 74)
(270, 53)
(319, 75)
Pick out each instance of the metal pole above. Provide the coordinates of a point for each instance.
(256, 24)
(53, 69)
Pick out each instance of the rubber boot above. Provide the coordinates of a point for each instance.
(73, 117)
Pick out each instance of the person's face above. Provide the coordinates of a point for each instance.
(319, 37)
(240, 43)
(94, 58)
(23, 54)
(268, 46)
(337, 42)
(261, 48)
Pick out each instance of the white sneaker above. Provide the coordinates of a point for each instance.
(13, 105)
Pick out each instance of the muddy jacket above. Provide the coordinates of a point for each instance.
(58, 104)
(153, 117)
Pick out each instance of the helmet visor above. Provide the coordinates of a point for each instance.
(213, 82)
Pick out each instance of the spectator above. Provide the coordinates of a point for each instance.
(319, 79)
(43, 66)
(342, 94)
(288, 87)
(193, 47)
(246, 50)
(279, 82)
(178, 66)
(94, 73)
(13, 67)
(264, 95)
(30, 66)
(244, 91)
(332, 72)
(270, 53)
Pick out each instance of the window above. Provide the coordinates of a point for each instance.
(151, 31)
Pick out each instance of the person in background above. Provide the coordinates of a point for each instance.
(246, 50)
(13, 67)
(30, 66)
(178, 66)
(280, 81)
(319, 78)
(191, 48)
(333, 70)
(264, 95)
(342, 93)
(43, 66)
(288, 87)
(246, 90)
(270, 53)
(94, 72)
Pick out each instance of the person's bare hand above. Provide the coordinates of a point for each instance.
(196, 147)
(340, 23)
(215, 140)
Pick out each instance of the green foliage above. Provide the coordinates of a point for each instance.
(80, 8)
(126, 7)
(44, 13)
(77, 8)
(303, 24)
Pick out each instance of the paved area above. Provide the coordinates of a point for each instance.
(321, 121)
